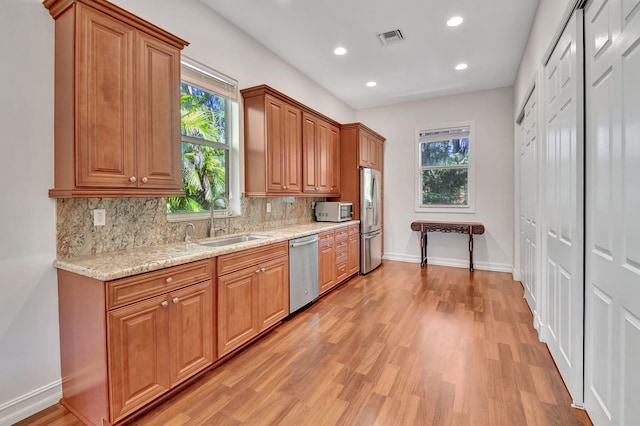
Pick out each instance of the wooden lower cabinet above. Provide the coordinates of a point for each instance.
(338, 256)
(124, 343)
(326, 262)
(353, 262)
(157, 343)
(253, 294)
(342, 253)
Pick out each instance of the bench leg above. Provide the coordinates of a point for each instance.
(470, 251)
(423, 247)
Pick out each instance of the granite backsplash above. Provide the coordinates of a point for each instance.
(141, 222)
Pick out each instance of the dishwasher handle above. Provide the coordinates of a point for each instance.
(304, 243)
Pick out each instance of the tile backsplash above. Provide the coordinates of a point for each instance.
(141, 222)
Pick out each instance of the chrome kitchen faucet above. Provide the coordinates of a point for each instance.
(213, 229)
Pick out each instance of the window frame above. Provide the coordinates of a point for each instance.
(198, 75)
(441, 208)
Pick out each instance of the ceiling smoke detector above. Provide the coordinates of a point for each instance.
(390, 37)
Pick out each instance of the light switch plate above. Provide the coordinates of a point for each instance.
(268, 207)
(99, 217)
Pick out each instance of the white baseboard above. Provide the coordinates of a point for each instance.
(30, 403)
(455, 263)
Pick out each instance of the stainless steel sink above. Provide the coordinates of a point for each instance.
(235, 239)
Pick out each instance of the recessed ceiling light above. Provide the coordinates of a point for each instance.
(455, 21)
(460, 67)
(340, 51)
(371, 84)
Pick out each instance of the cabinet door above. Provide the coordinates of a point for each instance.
(138, 355)
(105, 146)
(309, 165)
(323, 157)
(237, 309)
(374, 161)
(353, 262)
(321, 153)
(158, 116)
(333, 161)
(363, 148)
(273, 292)
(376, 153)
(293, 149)
(284, 146)
(191, 330)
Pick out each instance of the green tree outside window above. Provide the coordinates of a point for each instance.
(205, 149)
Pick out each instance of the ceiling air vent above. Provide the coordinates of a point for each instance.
(390, 37)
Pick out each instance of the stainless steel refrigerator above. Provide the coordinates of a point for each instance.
(370, 220)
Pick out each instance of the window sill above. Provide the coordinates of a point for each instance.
(188, 217)
(458, 210)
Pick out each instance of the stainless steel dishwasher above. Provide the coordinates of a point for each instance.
(303, 271)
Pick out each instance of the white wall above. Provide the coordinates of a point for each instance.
(492, 112)
(546, 23)
(29, 359)
(235, 54)
(29, 348)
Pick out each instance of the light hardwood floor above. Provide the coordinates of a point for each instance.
(400, 346)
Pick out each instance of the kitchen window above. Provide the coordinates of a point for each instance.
(444, 169)
(208, 126)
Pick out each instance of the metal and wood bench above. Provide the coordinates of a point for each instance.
(424, 227)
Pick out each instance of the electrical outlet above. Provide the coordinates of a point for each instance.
(99, 217)
(268, 207)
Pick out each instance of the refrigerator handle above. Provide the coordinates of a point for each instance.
(372, 235)
(375, 198)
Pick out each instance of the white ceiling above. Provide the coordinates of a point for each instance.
(305, 32)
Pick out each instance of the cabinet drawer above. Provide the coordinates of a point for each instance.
(251, 257)
(354, 230)
(341, 247)
(132, 289)
(342, 257)
(326, 238)
(342, 234)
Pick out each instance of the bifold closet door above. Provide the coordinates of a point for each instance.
(563, 289)
(528, 203)
(612, 309)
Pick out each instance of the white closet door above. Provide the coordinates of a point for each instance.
(528, 204)
(563, 293)
(612, 310)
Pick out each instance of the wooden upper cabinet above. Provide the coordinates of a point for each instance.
(289, 148)
(116, 103)
(273, 146)
(370, 150)
(321, 153)
(359, 147)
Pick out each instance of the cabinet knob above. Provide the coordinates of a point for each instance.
(262, 270)
(175, 300)
(169, 280)
(132, 179)
(317, 189)
(257, 271)
(164, 304)
(144, 179)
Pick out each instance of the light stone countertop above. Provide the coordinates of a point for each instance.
(125, 263)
